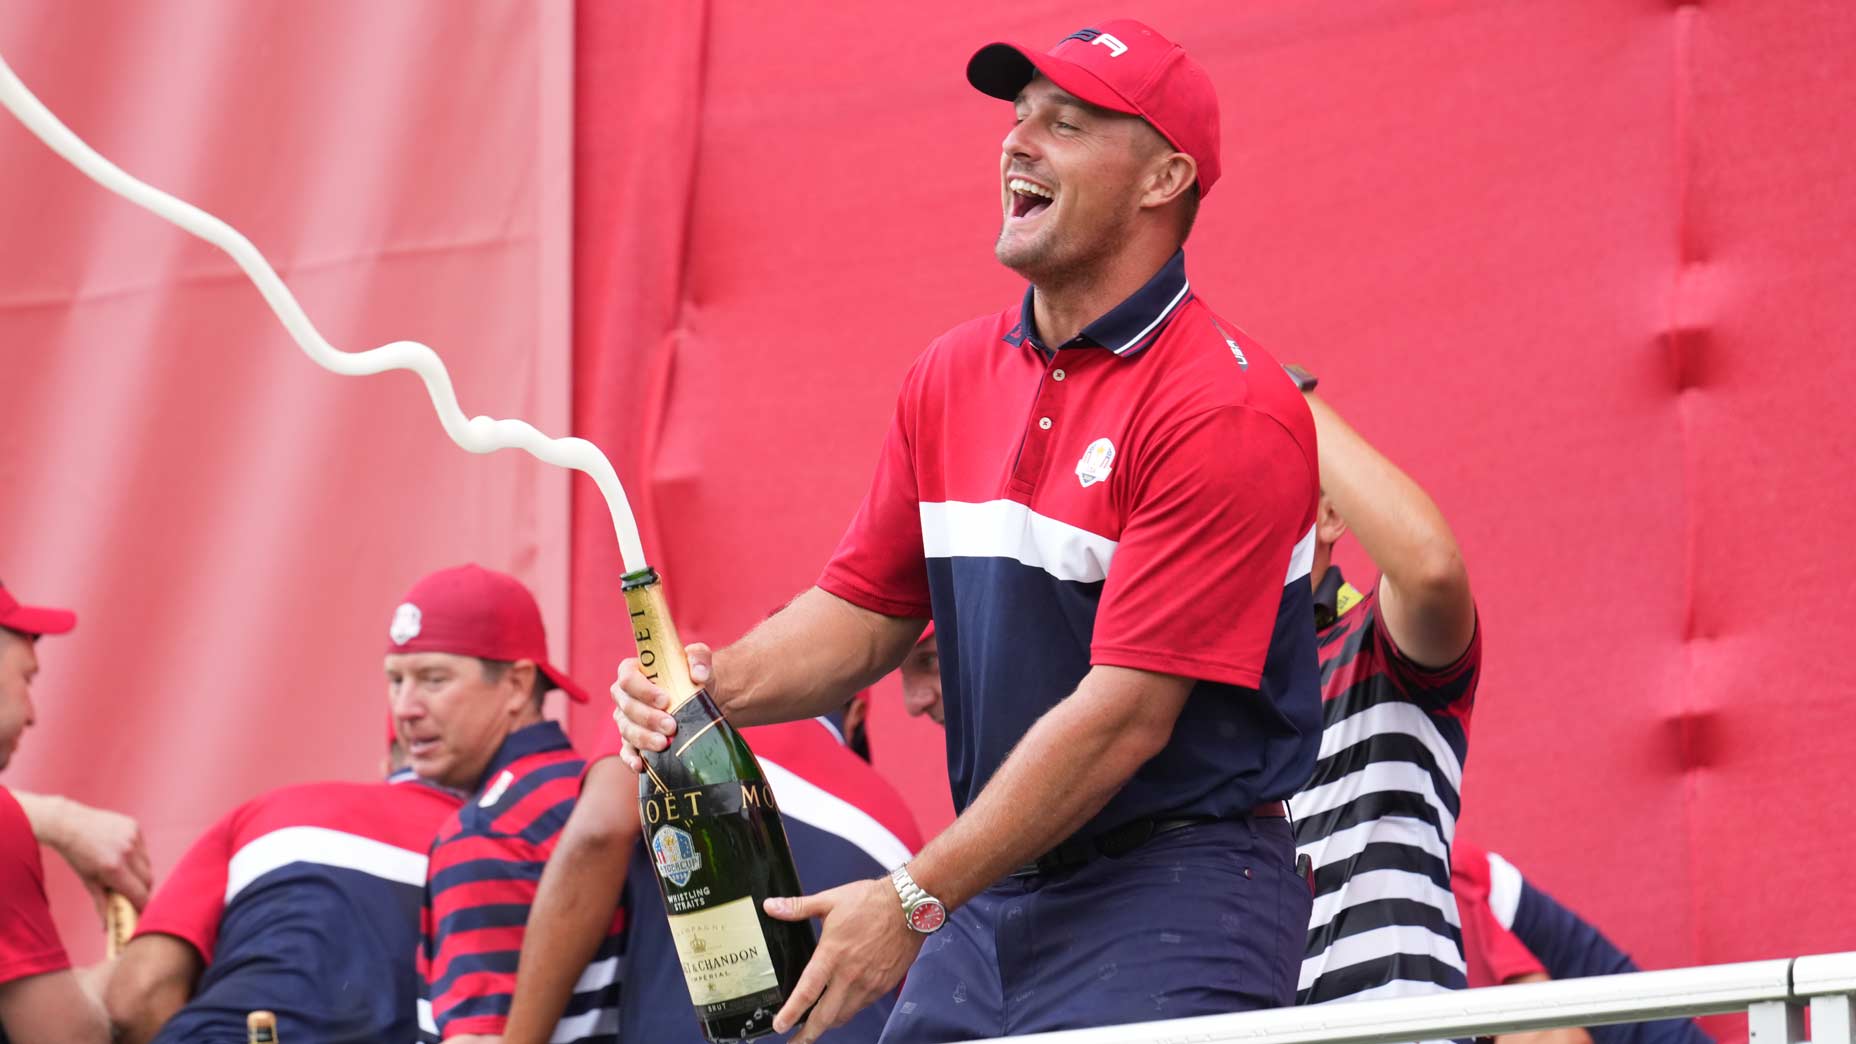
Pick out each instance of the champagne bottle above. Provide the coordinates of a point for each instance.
(261, 1028)
(716, 840)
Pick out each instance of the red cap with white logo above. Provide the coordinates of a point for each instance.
(31, 619)
(468, 610)
(1123, 66)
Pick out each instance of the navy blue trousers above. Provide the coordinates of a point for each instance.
(1206, 919)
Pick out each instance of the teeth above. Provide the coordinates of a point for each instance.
(1026, 188)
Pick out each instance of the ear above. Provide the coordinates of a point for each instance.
(1168, 178)
(1329, 526)
(519, 686)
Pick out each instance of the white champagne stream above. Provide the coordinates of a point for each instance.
(477, 434)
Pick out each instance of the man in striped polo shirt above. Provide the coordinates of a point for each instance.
(1399, 666)
(466, 672)
(303, 901)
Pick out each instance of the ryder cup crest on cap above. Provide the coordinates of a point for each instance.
(1123, 66)
(468, 610)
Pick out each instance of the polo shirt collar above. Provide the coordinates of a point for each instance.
(539, 738)
(1327, 598)
(1129, 327)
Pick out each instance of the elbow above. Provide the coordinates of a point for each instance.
(1439, 576)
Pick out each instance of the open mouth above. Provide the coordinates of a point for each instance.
(1029, 199)
(419, 748)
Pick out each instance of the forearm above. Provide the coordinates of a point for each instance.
(1066, 768)
(151, 981)
(49, 815)
(808, 658)
(140, 1022)
(575, 901)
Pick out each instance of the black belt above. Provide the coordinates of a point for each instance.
(1118, 842)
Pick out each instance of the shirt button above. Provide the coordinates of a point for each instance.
(1056, 375)
(1044, 422)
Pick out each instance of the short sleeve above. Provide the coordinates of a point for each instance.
(1211, 541)
(1492, 953)
(29, 942)
(879, 564)
(189, 903)
(1449, 689)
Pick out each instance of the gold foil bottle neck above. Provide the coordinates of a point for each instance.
(661, 657)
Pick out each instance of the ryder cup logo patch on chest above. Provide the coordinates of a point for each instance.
(406, 621)
(675, 854)
(1097, 459)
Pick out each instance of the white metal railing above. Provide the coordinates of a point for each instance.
(1774, 994)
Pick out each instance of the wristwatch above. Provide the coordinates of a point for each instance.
(923, 913)
(1303, 379)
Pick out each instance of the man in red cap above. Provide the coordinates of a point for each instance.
(1105, 499)
(40, 997)
(467, 667)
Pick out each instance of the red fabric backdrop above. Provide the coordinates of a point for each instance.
(1578, 266)
(234, 525)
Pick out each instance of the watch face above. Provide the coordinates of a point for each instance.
(928, 916)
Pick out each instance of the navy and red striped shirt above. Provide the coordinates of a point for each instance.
(304, 901)
(1378, 816)
(486, 864)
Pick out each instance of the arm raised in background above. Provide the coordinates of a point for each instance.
(152, 980)
(803, 661)
(104, 848)
(574, 905)
(1424, 594)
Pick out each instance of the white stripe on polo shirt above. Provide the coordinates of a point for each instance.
(1504, 890)
(819, 808)
(1302, 559)
(323, 847)
(1008, 529)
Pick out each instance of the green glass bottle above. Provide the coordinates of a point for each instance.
(717, 843)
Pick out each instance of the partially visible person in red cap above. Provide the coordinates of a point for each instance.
(467, 667)
(1105, 498)
(41, 999)
(921, 679)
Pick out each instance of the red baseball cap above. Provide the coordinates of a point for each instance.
(468, 610)
(1123, 66)
(31, 619)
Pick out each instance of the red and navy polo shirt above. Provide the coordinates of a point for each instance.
(305, 901)
(1141, 496)
(485, 869)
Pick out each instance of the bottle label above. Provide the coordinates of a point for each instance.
(675, 853)
(725, 958)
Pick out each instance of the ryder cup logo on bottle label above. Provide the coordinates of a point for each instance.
(406, 621)
(676, 855)
(1097, 459)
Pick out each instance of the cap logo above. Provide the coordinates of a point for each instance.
(406, 622)
(1096, 36)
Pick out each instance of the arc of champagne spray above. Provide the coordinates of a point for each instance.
(477, 434)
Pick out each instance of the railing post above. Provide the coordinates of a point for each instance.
(1831, 1018)
(1775, 1022)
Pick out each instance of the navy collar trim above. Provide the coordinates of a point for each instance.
(539, 738)
(1327, 598)
(1126, 329)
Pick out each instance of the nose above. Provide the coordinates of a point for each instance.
(1020, 142)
